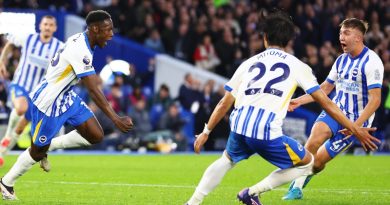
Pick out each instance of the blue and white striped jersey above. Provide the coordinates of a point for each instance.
(353, 77)
(54, 95)
(34, 59)
(262, 87)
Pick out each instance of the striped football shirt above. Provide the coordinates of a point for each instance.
(263, 86)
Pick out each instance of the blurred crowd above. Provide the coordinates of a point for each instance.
(162, 122)
(218, 36)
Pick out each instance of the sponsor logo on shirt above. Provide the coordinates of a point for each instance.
(377, 75)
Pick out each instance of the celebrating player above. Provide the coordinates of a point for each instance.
(37, 51)
(54, 102)
(357, 76)
(261, 89)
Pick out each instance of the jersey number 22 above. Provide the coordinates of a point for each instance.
(268, 87)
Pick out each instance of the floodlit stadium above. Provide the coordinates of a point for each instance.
(162, 102)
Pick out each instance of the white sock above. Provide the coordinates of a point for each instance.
(10, 134)
(211, 178)
(280, 177)
(12, 122)
(71, 140)
(298, 183)
(21, 166)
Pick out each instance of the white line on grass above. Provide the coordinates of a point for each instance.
(323, 190)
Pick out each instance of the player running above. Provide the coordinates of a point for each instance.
(37, 51)
(261, 89)
(357, 75)
(54, 102)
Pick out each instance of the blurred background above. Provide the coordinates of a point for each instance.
(179, 53)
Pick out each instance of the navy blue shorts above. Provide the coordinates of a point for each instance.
(283, 152)
(44, 128)
(336, 144)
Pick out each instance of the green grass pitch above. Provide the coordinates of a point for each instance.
(171, 179)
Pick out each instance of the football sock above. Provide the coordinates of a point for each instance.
(280, 177)
(21, 166)
(71, 140)
(298, 183)
(10, 138)
(211, 178)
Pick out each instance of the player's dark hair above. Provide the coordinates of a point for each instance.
(97, 16)
(279, 29)
(49, 17)
(164, 87)
(361, 25)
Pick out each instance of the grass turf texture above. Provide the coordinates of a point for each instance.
(171, 179)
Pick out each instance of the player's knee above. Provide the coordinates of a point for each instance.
(225, 156)
(318, 166)
(97, 137)
(19, 130)
(20, 106)
(307, 164)
(20, 110)
(37, 155)
(313, 145)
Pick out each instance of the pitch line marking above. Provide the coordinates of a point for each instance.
(338, 191)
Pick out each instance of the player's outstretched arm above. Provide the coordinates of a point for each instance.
(125, 123)
(367, 140)
(219, 112)
(3, 58)
(326, 87)
(374, 101)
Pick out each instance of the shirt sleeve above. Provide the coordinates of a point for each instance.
(81, 61)
(374, 72)
(234, 83)
(332, 76)
(306, 80)
(19, 39)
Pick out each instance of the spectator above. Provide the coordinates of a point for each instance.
(172, 121)
(163, 97)
(205, 56)
(183, 43)
(188, 95)
(136, 96)
(226, 50)
(375, 36)
(154, 41)
(128, 18)
(141, 120)
(168, 36)
(117, 99)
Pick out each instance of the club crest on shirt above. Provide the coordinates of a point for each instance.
(355, 72)
(86, 60)
(300, 147)
(42, 139)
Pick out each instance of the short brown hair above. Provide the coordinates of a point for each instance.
(361, 25)
(49, 17)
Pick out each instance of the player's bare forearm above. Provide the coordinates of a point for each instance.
(374, 101)
(98, 97)
(3, 59)
(5, 52)
(326, 87)
(220, 110)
